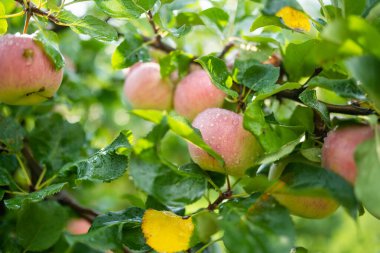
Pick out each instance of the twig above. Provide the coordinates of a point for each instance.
(226, 49)
(65, 199)
(33, 9)
(343, 109)
(225, 195)
(33, 165)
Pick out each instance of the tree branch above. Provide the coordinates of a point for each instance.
(225, 195)
(65, 199)
(343, 109)
(32, 8)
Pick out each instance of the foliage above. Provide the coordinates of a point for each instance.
(286, 66)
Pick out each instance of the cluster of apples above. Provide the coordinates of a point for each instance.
(198, 100)
(27, 77)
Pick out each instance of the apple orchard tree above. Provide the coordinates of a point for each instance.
(189, 126)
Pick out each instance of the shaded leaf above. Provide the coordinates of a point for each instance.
(37, 196)
(346, 88)
(254, 224)
(38, 225)
(365, 70)
(11, 134)
(367, 182)
(309, 98)
(105, 165)
(55, 141)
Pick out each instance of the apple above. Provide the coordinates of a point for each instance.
(223, 131)
(27, 76)
(195, 93)
(339, 148)
(307, 206)
(78, 226)
(145, 89)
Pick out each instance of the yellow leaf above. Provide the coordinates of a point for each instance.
(3, 22)
(167, 232)
(294, 19)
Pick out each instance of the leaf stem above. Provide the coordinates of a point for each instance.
(48, 182)
(208, 245)
(24, 170)
(13, 15)
(40, 178)
(16, 193)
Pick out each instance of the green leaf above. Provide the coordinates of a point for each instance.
(39, 225)
(214, 17)
(169, 186)
(189, 19)
(303, 176)
(282, 152)
(125, 8)
(105, 165)
(95, 28)
(309, 98)
(254, 121)
(267, 91)
(367, 182)
(370, 4)
(354, 35)
(3, 21)
(130, 51)
(265, 20)
(365, 70)
(6, 179)
(49, 42)
(11, 134)
(257, 76)
(18, 202)
(104, 238)
(55, 142)
(175, 60)
(299, 59)
(130, 217)
(134, 239)
(252, 223)
(353, 7)
(218, 72)
(273, 6)
(303, 116)
(346, 88)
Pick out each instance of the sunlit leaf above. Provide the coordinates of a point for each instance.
(166, 231)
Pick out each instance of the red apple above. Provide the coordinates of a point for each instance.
(195, 93)
(223, 131)
(339, 148)
(27, 76)
(145, 89)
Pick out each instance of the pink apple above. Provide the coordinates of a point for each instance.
(339, 147)
(195, 93)
(145, 89)
(223, 131)
(27, 76)
(78, 226)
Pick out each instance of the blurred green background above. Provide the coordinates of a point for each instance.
(92, 95)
